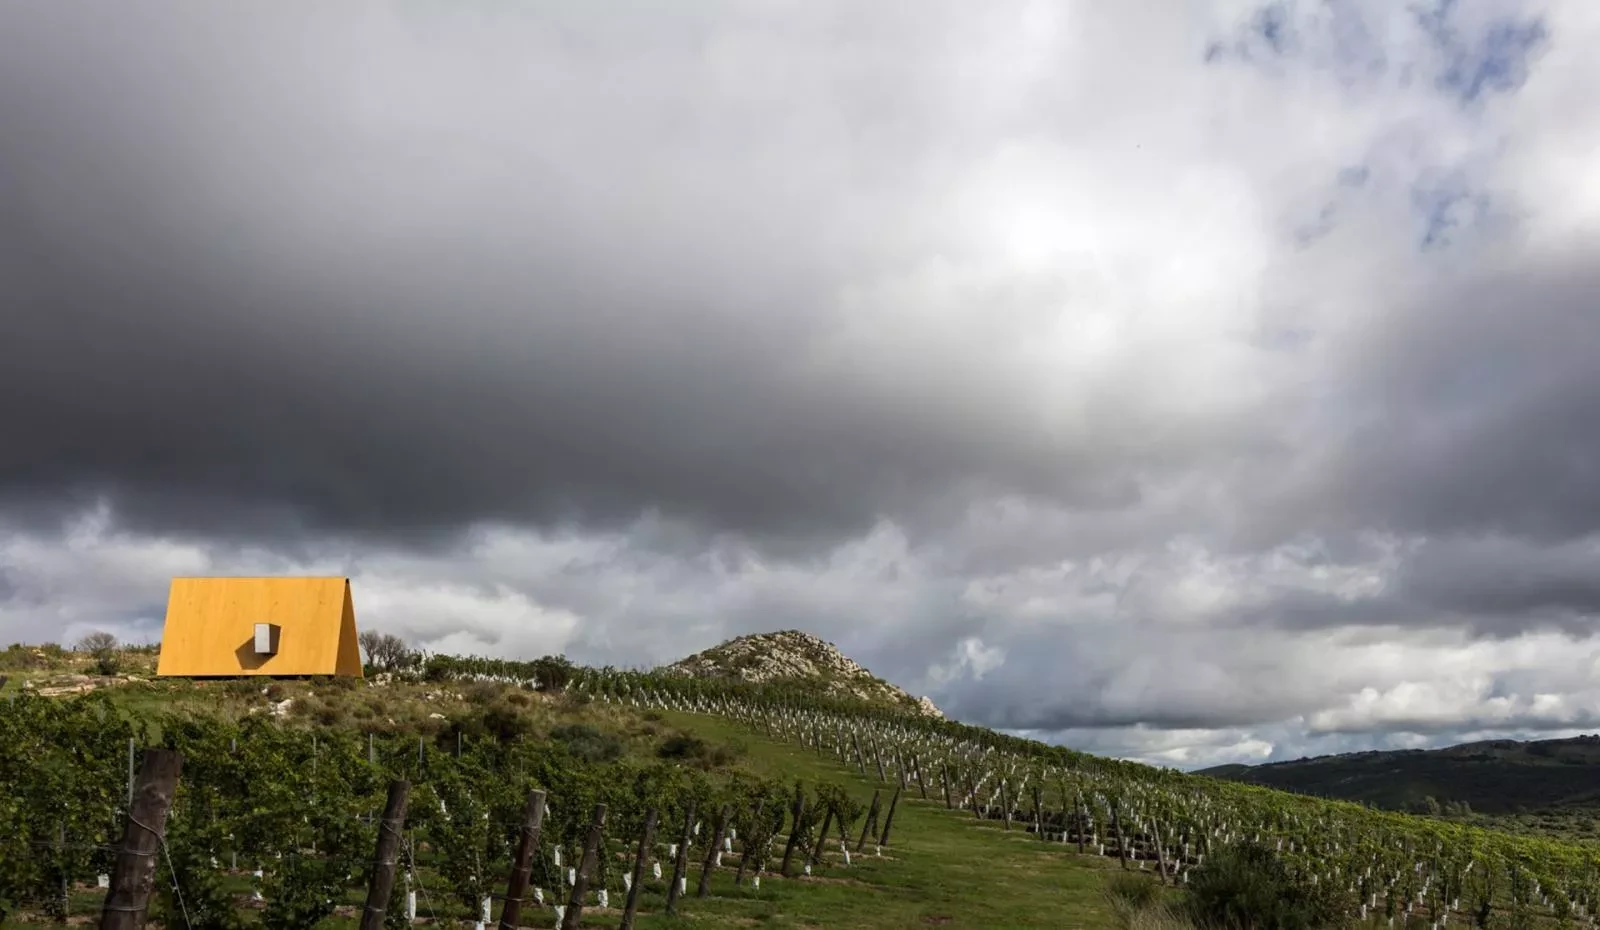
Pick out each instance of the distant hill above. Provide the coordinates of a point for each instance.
(792, 655)
(1494, 777)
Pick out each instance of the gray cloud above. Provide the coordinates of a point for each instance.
(1476, 409)
(1195, 384)
(396, 290)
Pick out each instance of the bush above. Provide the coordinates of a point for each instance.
(17, 656)
(694, 750)
(505, 722)
(102, 648)
(330, 715)
(1248, 887)
(588, 743)
(682, 746)
(481, 692)
(554, 673)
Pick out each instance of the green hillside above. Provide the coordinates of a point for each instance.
(274, 822)
(1547, 785)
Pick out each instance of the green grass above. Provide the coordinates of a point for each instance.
(942, 867)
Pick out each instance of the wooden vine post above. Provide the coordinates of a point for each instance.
(385, 856)
(822, 837)
(748, 853)
(134, 873)
(586, 866)
(1116, 828)
(712, 850)
(888, 821)
(645, 842)
(871, 820)
(1161, 855)
(680, 866)
(798, 812)
(522, 865)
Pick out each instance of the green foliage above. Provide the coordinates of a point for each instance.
(587, 743)
(1248, 887)
(63, 780)
(686, 747)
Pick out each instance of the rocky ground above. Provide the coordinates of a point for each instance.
(795, 655)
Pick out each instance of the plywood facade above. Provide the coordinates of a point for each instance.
(211, 627)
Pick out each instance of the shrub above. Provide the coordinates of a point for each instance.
(102, 648)
(330, 715)
(481, 692)
(553, 673)
(587, 743)
(505, 722)
(682, 746)
(18, 656)
(694, 750)
(1248, 887)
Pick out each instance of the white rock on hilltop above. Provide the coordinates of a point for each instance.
(792, 654)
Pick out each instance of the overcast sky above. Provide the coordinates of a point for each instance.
(1186, 382)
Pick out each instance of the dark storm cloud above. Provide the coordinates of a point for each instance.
(1478, 409)
(278, 273)
(1507, 584)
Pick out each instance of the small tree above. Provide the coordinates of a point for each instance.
(553, 672)
(384, 650)
(102, 647)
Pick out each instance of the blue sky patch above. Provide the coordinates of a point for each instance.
(1445, 210)
(1469, 66)
(1475, 66)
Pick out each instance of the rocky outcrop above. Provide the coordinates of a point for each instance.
(795, 655)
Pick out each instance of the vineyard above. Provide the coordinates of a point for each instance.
(276, 825)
